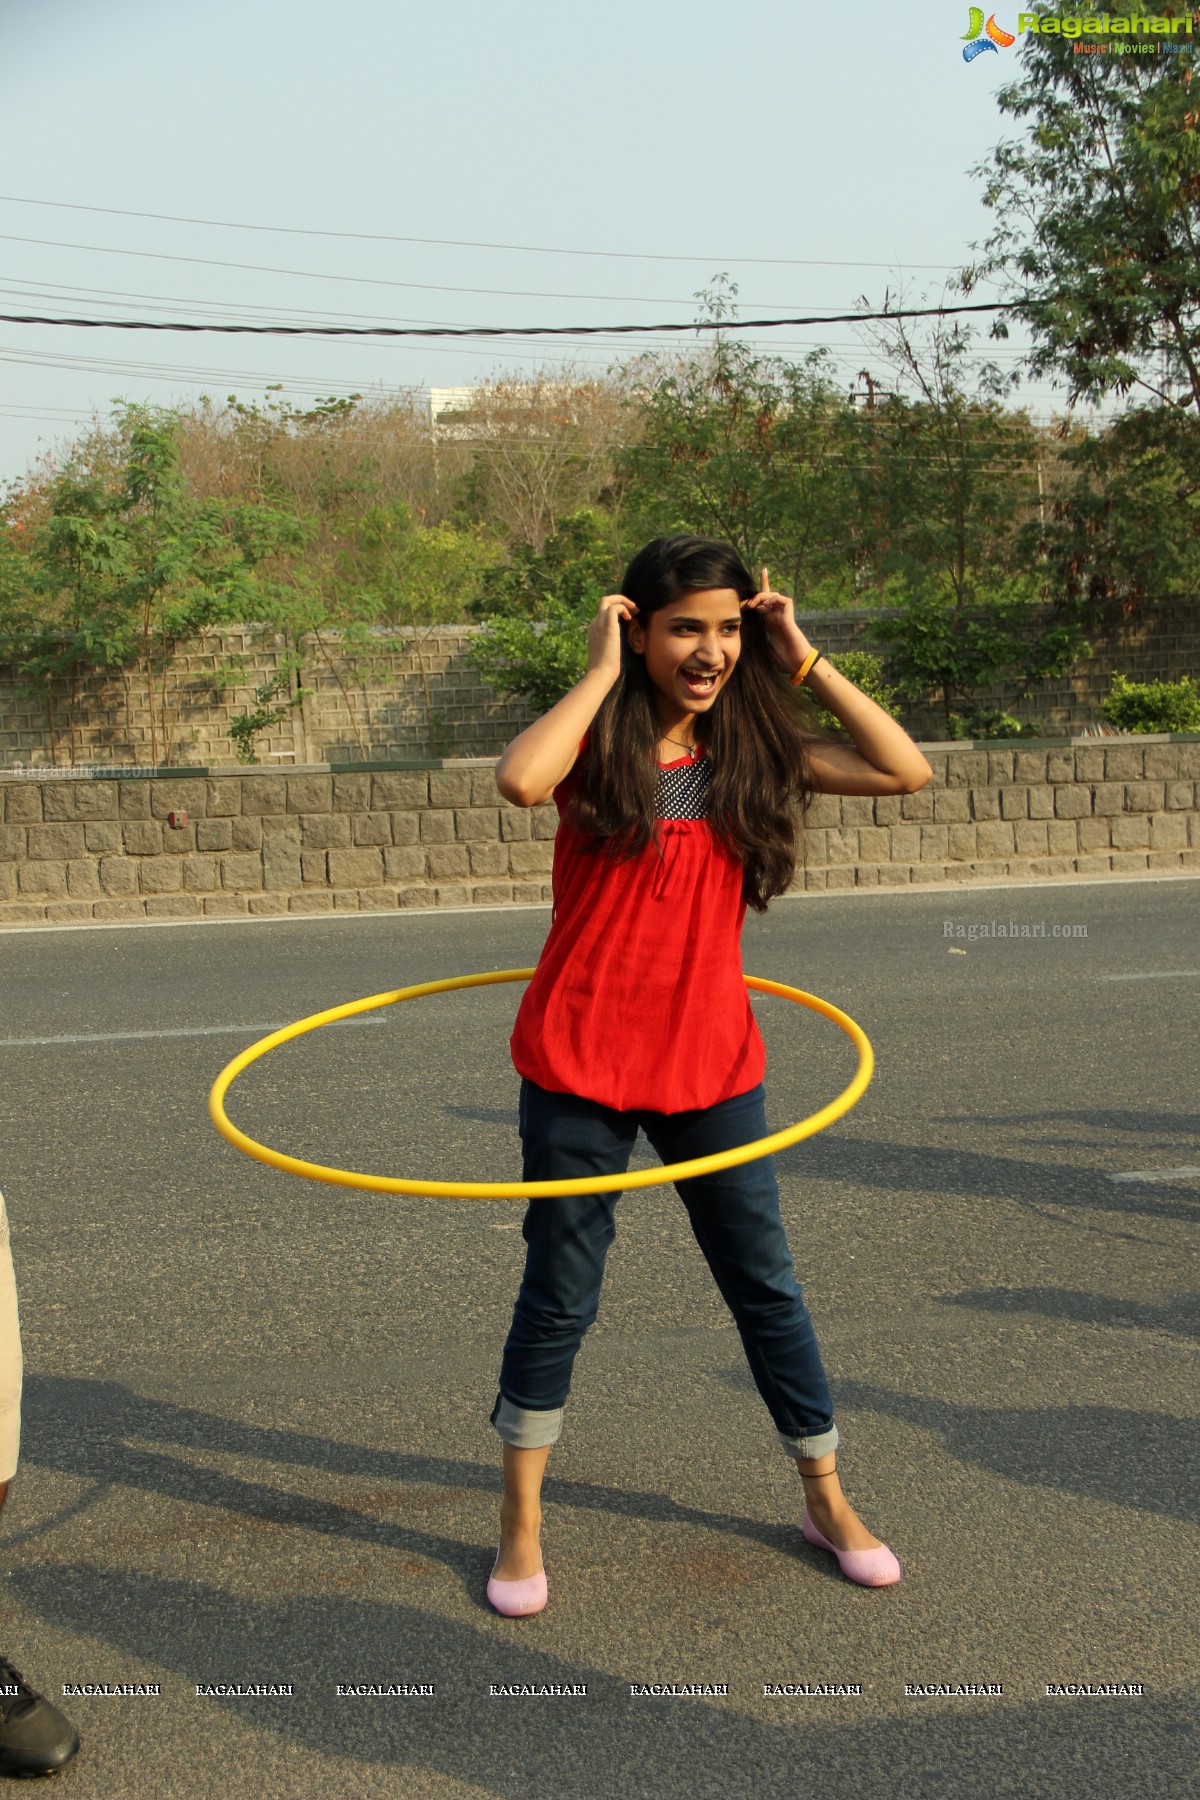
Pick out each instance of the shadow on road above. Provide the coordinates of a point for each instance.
(927, 1169)
(83, 1427)
(1180, 1314)
(604, 1747)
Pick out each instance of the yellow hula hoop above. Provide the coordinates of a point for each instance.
(529, 1190)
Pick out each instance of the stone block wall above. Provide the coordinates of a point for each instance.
(1018, 813)
(228, 843)
(1161, 642)
(339, 721)
(112, 724)
(231, 844)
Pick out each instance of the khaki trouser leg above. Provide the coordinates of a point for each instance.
(10, 1357)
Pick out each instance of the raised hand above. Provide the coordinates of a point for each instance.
(779, 617)
(604, 634)
(544, 753)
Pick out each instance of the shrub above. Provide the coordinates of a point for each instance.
(866, 672)
(533, 660)
(991, 722)
(1152, 705)
(244, 727)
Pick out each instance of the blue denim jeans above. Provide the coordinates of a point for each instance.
(735, 1218)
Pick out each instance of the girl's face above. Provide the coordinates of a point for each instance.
(691, 648)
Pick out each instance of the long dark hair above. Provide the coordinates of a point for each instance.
(756, 734)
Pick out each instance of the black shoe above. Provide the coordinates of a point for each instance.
(35, 1738)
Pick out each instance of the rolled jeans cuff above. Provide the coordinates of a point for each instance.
(527, 1429)
(818, 1443)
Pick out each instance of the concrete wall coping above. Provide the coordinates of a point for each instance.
(254, 771)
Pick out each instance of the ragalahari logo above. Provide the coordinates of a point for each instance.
(1120, 34)
(975, 43)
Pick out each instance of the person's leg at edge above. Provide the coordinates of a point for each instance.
(35, 1738)
(562, 1136)
(736, 1222)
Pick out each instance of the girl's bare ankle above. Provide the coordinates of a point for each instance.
(521, 1515)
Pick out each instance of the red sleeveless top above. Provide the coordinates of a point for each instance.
(638, 999)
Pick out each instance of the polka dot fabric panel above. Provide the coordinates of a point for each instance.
(682, 791)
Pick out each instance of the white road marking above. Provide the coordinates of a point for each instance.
(1189, 1174)
(180, 1031)
(809, 896)
(1155, 975)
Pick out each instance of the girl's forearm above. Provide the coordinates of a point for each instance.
(536, 761)
(878, 736)
(878, 739)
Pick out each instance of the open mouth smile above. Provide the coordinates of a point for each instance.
(700, 681)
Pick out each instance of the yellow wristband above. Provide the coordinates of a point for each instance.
(804, 668)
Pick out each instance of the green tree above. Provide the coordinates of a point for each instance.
(375, 574)
(536, 608)
(1098, 220)
(955, 652)
(269, 709)
(1097, 242)
(123, 564)
(67, 611)
(303, 478)
(413, 579)
(957, 483)
(946, 473)
(746, 448)
(954, 481)
(541, 447)
(537, 661)
(578, 563)
(1128, 524)
(183, 573)
(865, 670)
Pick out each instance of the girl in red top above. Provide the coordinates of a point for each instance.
(679, 770)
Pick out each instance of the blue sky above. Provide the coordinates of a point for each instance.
(815, 153)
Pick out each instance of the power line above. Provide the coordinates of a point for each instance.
(37, 288)
(421, 287)
(370, 386)
(503, 331)
(61, 293)
(184, 376)
(52, 291)
(211, 262)
(373, 237)
(52, 359)
(192, 376)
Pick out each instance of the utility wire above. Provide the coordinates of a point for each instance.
(424, 287)
(502, 331)
(58, 293)
(61, 293)
(221, 310)
(375, 237)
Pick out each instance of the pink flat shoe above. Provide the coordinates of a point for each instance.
(518, 1599)
(869, 1568)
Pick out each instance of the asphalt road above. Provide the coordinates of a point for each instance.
(256, 1443)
